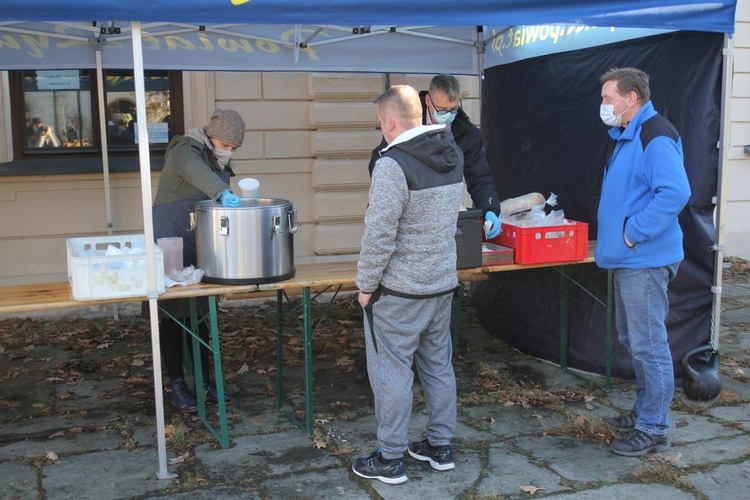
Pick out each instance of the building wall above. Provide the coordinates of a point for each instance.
(308, 140)
(737, 168)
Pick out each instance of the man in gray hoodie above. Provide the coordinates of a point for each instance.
(406, 277)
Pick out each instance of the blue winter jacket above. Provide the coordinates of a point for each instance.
(644, 189)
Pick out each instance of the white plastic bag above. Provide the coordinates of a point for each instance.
(188, 276)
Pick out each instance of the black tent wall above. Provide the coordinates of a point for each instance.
(540, 121)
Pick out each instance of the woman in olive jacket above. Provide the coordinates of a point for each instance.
(197, 168)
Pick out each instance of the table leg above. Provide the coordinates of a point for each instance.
(197, 363)
(564, 303)
(308, 331)
(222, 436)
(307, 326)
(565, 282)
(218, 373)
(280, 347)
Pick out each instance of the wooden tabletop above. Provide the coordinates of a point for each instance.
(48, 296)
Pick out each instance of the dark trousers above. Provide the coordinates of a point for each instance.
(171, 338)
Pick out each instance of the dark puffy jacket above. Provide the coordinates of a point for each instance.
(479, 179)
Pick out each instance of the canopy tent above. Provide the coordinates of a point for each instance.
(717, 16)
(424, 26)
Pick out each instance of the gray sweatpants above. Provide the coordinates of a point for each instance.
(399, 331)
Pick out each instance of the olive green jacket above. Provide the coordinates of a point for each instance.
(189, 169)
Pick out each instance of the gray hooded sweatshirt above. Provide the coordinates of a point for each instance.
(408, 247)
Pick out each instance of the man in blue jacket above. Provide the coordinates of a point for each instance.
(645, 188)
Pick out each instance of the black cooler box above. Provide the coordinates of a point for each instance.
(469, 239)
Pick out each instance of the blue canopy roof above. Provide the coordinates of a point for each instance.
(716, 16)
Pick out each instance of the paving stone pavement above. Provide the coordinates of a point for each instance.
(94, 436)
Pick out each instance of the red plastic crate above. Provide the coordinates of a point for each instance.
(538, 245)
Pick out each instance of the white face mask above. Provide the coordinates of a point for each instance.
(223, 156)
(608, 116)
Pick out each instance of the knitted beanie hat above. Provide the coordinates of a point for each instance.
(226, 125)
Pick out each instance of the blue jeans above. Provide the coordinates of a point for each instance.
(641, 308)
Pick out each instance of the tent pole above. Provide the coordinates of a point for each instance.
(725, 147)
(145, 164)
(105, 147)
(480, 48)
(103, 134)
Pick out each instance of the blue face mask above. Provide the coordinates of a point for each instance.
(443, 119)
(443, 116)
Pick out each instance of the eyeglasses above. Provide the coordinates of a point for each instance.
(452, 111)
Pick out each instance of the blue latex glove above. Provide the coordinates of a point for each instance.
(229, 199)
(495, 229)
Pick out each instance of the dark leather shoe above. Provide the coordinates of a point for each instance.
(639, 443)
(624, 422)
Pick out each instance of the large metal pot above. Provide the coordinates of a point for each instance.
(249, 244)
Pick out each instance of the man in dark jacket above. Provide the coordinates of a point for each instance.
(441, 105)
(406, 275)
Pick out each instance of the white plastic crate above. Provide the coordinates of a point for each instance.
(94, 275)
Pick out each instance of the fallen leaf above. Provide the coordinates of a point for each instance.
(344, 361)
(673, 459)
(65, 395)
(104, 345)
(589, 399)
(509, 403)
(137, 362)
(531, 489)
(57, 434)
(318, 443)
(51, 455)
(344, 451)
(589, 406)
(178, 460)
(243, 369)
(490, 420)
(339, 404)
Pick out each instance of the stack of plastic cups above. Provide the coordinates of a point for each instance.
(172, 248)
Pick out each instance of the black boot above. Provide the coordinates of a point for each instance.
(212, 394)
(182, 397)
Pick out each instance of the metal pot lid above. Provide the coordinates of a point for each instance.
(244, 203)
